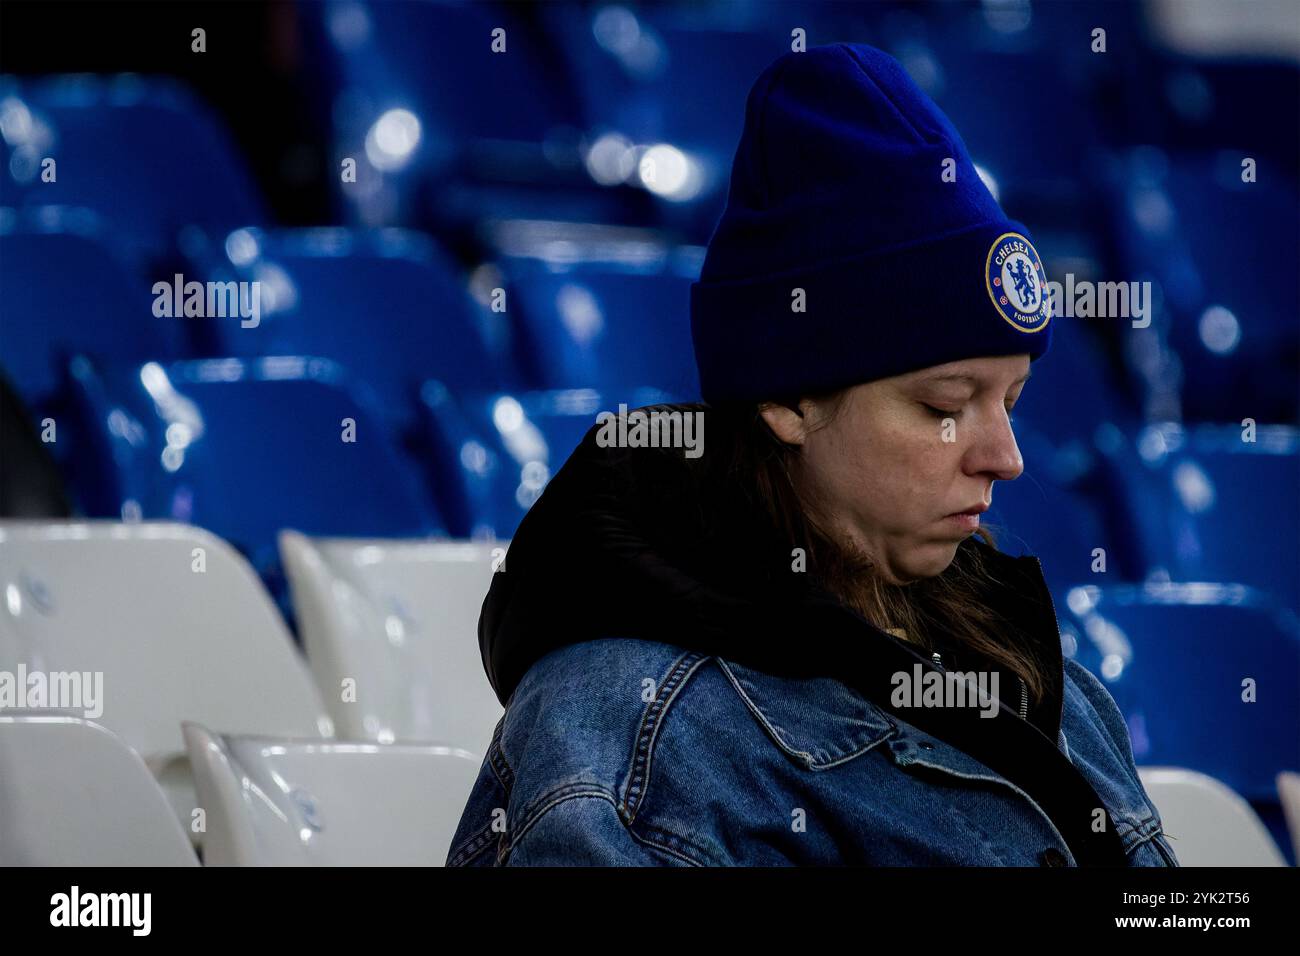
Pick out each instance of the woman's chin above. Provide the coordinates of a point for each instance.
(925, 561)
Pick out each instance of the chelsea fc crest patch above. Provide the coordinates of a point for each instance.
(1017, 283)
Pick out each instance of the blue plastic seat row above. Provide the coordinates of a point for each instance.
(389, 308)
(144, 153)
(64, 290)
(1207, 675)
(246, 447)
(1220, 253)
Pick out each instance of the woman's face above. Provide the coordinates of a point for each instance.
(904, 454)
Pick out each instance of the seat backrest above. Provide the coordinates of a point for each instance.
(1217, 492)
(63, 291)
(73, 794)
(162, 622)
(610, 328)
(245, 448)
(474, 94)
(1180, 658)
(493, 454)
(279, 802)
(388, 304)
(143, 152)
(656, 77)
(1196, 229)
(1207, 822)
(1042, 513)
(391, 633)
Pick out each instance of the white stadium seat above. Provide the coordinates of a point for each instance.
(280, 802)
(73, 794)
(1208, 823)
(1288, 789)
(399, 620)
(173, 618)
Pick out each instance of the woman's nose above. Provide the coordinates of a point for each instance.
(995, 451)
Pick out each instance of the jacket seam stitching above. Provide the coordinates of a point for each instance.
(497, 760)
(1160, 840)
(666, 848)
(589, 791)
(1138, 834)
(638, 776)
(1156, 838)
(472, 847)
(1143, 838)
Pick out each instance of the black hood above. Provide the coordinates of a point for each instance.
(648, 543)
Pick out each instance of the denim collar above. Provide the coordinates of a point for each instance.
(818, 721)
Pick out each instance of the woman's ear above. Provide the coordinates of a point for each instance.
(788, 424)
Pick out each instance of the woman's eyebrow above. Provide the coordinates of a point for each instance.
(953, 377)
(971, 379)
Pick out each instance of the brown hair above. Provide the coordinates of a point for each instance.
(948, 602)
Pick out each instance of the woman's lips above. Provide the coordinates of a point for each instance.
(967, 522)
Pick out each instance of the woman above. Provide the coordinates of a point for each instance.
(799, 647)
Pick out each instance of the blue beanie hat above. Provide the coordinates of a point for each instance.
(858, 241)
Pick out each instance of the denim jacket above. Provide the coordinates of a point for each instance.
(668, 703)
(726, 765)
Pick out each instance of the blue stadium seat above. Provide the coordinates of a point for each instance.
(1076, 426)
(985, 94)
(667, 79)
(470, 93)
(1053, 512)
(1192, 103)
(63, 290)
(242, 448)
(1213, 507)
(470, 134)
(1175, 656)
(606, 326)
(1167, 503)
(494, 453)
(387, 304)
(142, 152)
(1223, 254)
(1075, 389)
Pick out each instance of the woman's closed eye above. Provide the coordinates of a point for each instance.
(955, 413)
(941, 412)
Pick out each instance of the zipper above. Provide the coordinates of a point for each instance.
(937, 659)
